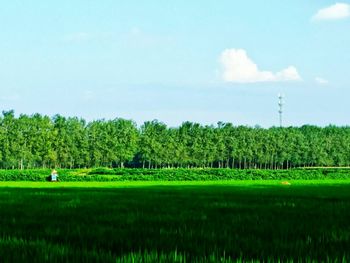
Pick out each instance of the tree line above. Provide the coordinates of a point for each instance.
(40, 141)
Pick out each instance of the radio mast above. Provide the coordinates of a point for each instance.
(280, 105)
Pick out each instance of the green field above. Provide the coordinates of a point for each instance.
(174, 221)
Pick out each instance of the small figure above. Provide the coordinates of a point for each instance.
(54, 176)
(286, 183)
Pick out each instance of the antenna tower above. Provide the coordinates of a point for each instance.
(280, 105)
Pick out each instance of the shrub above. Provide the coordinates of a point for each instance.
(104, 174)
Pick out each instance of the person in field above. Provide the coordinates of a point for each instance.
(286, 183)
(54, 176)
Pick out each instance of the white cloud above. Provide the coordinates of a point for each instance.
(334, 12)
(238, 67)
(10, 98)
(135, 31)
(136, 36)
(78, 37)
(321, 81)
(83, 37)
(88, 95)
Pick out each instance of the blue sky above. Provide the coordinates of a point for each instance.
(203, 61)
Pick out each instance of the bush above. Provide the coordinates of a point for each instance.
(104, 174)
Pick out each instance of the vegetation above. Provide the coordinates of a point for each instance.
(39, 141)
(128, 174)
(175, 222)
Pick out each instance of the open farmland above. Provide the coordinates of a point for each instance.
(174, 221)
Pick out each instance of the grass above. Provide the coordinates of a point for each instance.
(221, 221)
(126, 184)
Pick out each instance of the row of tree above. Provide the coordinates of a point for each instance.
(40, 141)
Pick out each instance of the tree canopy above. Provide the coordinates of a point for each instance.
(40, 141)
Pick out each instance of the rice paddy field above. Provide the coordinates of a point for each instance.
(218, 221)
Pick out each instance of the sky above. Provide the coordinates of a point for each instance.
(202, 61)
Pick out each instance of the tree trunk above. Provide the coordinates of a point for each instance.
(21, 164)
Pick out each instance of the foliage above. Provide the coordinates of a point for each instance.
(119, 174)
(38, 141)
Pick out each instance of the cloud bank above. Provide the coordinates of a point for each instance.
(334, 12)
(238, 67)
